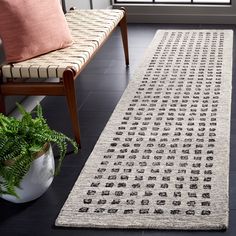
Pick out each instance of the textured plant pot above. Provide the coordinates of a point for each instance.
(36, 181)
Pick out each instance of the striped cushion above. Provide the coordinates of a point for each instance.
(89, 28)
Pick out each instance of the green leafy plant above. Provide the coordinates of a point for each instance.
(20, 141)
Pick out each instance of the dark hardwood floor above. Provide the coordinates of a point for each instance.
(99, 88)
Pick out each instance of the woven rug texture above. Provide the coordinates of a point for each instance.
(162, 161)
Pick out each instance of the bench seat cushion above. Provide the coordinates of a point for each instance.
(89, 29)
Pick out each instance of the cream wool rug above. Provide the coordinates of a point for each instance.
(162, 160)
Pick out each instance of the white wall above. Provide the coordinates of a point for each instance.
(199, 14)
(81, 4)
(101, 4)
(88, 4)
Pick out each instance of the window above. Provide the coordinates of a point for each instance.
(212, 2)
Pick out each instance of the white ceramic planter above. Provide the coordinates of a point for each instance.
(36, 181)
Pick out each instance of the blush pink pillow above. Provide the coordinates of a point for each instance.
(29, 28)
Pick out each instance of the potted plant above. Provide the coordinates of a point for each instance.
(26, 159)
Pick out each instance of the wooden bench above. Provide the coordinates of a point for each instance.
(90, 30)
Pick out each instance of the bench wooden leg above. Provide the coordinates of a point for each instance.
(2, 104)
(68, 80)
(123, 28)
(2, 98)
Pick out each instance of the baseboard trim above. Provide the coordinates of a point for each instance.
(184, 14)
(181, 19)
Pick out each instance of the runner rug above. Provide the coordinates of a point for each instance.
(162, 160)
